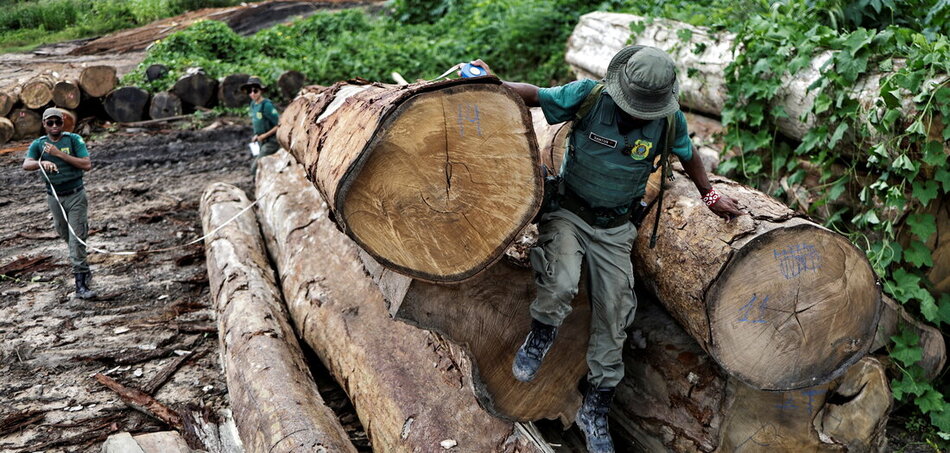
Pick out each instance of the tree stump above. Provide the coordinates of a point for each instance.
(229, 91)
(164, 105)
(126, 104)
(276, 403)
(410, 387)
(26, 123)
(98, 81)
(38, 92)
(155, 71)
(290, 82)
(431, 179)
(196, 89)
(8, 99)
(6, 130)
(66, 94)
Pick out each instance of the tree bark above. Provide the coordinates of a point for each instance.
(894, 318)
(6, 130)
(126, 104)
(196, 89)
(410, 387)
(229, 91)
(290, 82)
(66, 94)
(8, 98)
(431, 179)
(164, 105)
(488, 316)
(98, 81)
(38, 92)
(275, 401)
(674, 398)
(26, 123)
(599, 35)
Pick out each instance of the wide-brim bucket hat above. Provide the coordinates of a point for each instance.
(253, 81)
(642, 81)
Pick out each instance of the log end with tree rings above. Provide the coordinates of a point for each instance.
(447, 181)
(26, 124)
(6, 130)
(230, 93)
(98, 81)
(126, 104)
(793, 308)
(37, 93)
(8, 99)
(164, 105)
(66, 94)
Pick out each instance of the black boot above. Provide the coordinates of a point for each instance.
(592, 418)
(82, 288)
(536, 345)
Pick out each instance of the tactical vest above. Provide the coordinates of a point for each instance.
(604, 167)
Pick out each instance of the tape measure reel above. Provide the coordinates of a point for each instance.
(470, 70)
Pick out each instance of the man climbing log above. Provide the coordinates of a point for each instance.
(621, 126)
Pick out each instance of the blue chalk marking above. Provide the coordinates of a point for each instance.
(747, 308)
(796, 259)
(468, 113)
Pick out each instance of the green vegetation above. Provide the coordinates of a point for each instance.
(27, 24)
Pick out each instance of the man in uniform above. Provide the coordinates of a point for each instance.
(611, 153)
(63, 158)
(264, 118)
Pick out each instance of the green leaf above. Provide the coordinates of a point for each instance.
(943, 176)
(891, 116)
(934, 154)
(917, 127)
(925, 191)
(941, 419)
(928, 306)
(906, 347)
(918, 254)
(892, 98)
(684, 34)
(907, 386)
(904, 162)
(822, 103)
(930, 401)
(922, 225)
(839, 132)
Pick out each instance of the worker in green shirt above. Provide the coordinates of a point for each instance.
(620, 127)
(63, 158)
(264, 119)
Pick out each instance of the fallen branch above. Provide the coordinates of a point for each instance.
(142, 402)
(13, 423)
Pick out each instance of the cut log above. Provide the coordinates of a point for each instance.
(431, 179)
(196, 89)
(490, 320)
(894, 318)
(164, 105)
(98, 81)
(275, 401)
(599, 35)
(290, 83)
(155, 71)
(674, 398)
(780, 302)
(9, 98)
(26, 124)
(229, 91)
(6, 130)
(38, 92)
(69, 120)
(126, 104)
(410, 387)
(66, 94)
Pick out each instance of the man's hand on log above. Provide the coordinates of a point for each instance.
(480, 64)
(723, 206)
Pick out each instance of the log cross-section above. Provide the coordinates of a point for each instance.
(432, 179)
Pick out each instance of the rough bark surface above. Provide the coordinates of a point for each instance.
(599, 35)
(488, 315)
(410, 387)
(273, 396)
(98, 81)
(894, 318)
(432, 179)
(66, 94)
(675, 398)
(290, 83)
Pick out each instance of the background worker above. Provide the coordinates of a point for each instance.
(63, 157)
(264, 119)
(612, 148)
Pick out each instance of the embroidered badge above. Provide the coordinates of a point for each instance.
(602, 140)
(65, 150)
(640, 150)
(260, 115)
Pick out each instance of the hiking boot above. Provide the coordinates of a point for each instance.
(592, 418)
(532, 352)
(82, 286)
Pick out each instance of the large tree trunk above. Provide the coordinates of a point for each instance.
(290, 83)
(126, 104)
(196, 89)
(432, 179)
(674, 398)
(229, 91)
(98, 81)
(488, 315)
(410, 387)
(26, 123)
(66, 94)
(9, 98)
(599, 35)
(6, 130)
(163, 105)
(275, 401)
(38, 92)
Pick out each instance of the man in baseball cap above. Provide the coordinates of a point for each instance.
(621, 125)
(62, 158)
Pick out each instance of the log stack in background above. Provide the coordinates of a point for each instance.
(433, 180)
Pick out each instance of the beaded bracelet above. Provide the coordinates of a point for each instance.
(711, 197)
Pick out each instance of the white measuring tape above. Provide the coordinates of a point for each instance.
(131, 252)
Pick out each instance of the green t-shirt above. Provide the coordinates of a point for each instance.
(68, 177)
(264, 116)
(560, 103)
